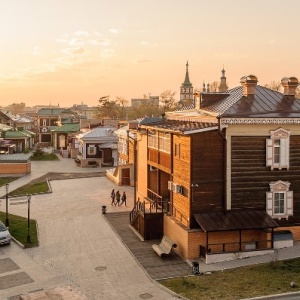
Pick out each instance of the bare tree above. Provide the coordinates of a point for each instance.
(168, 100)
(274, 85)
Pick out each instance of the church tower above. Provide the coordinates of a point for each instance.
(186, 89)
(223, 87)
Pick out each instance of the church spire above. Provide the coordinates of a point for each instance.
(187, 79)
(186, 89)
(223, 87)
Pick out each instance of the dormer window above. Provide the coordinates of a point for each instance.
(278, 149)
(279, 200)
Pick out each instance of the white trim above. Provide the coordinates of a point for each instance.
(201, 130)
(251, 121)
(228, 172)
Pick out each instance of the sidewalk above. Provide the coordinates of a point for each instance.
(78, 248)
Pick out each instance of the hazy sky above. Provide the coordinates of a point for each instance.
(74, 51)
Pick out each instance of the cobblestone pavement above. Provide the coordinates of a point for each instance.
(78, 248)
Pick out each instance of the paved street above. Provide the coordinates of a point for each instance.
(78, 248)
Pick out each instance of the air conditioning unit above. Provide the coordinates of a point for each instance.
(170, 185)
(177, 188)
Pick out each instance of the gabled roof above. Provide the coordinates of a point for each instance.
(106, 131)
(235, 220)
(52, 111)
(75, 127)
(13, 134)
(265, 104)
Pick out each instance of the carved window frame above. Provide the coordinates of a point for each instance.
(278, 149)
(279, 188)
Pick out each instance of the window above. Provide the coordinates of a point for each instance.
(91, 150)
(164, 142)
(152, 140)
(177, 150)
(278, 149)
(280, 200)
(44, 122)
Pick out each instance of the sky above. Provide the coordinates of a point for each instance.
(75, 51)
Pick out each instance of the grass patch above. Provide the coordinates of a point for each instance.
(245, 282)
(44, 157)
(18, 228)
(5, 180)
(31, 188)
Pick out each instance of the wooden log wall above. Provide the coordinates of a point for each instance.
(250, 177)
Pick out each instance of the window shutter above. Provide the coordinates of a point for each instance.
(269, 203)
(284, 153)
(269, 152)
(289, 206)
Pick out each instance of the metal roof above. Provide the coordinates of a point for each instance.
(75, 127)
(179, 126)
(266, 103)
(235, 220)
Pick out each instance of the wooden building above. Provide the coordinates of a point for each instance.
(222, 175)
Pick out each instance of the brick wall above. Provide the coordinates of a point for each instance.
(15, 168)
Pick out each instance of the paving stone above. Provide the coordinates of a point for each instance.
(13, 280)
(7, 265)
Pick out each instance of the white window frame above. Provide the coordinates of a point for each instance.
(91, 150)
(165, 142)
(279, 188)
(153, 139)
(278, 149)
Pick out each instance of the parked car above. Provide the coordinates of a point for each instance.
(5, 236)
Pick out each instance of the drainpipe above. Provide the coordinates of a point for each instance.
(225, 162)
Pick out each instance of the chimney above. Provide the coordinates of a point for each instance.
(249, 83)
(197, 100)
(289, 84)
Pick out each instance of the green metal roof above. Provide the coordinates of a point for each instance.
(52, 111)
(75, 127)
(10, 134)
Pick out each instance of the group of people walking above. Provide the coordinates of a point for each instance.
(117, 199)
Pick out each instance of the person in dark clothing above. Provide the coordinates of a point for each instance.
(123, 198)
(113, 196)
(118, 198)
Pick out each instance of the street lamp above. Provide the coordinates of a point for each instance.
(28, 227)
(6, 218)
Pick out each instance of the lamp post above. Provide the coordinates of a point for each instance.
(28, 227)
(6, 196)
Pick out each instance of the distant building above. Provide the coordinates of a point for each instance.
(152, 100)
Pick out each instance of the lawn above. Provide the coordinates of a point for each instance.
(31, 188)
(44, 157)
(246, 282)
(18, 228)
(5, 180)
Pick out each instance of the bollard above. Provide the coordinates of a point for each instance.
(103, 209)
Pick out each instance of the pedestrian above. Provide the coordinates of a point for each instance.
(118, 198)
(113, 196)
(123, 199)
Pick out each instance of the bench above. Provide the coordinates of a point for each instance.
(165, 247)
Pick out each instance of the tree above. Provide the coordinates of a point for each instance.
(168, 100)
(274, 85)
(114, 109)
(17, 108)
